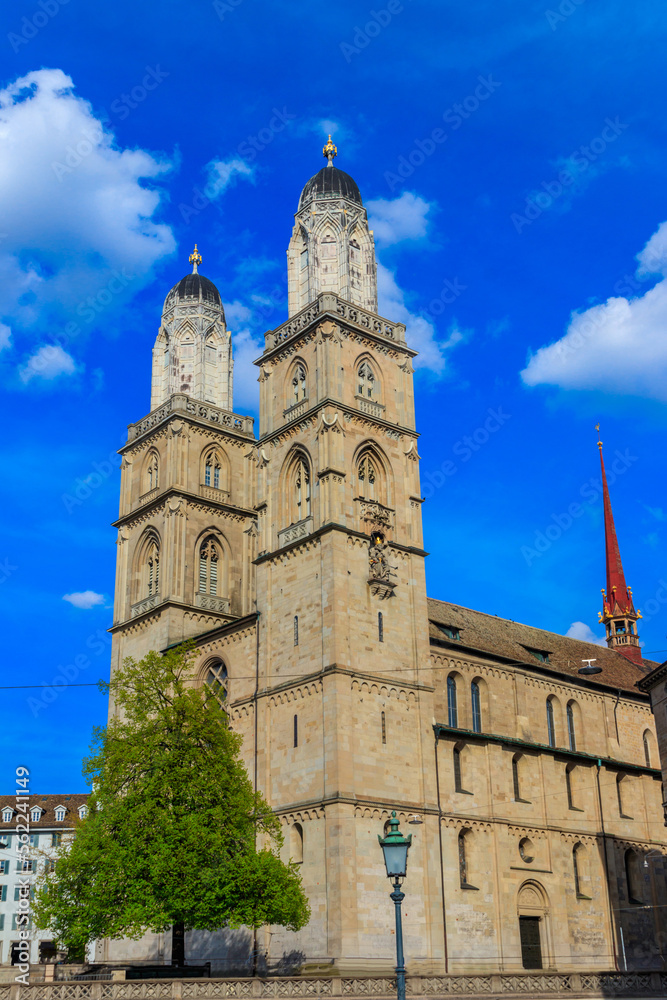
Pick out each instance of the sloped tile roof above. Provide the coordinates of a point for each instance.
(48, 803)
(493, 636)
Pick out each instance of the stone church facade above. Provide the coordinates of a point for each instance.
(294, 557)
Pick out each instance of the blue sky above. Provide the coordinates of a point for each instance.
(511, 155)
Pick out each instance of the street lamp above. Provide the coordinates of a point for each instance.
(395, 849)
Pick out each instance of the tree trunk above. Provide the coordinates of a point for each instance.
(178, 944)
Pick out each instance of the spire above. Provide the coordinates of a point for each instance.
(195, 259)
(330, 151)
(618, 611)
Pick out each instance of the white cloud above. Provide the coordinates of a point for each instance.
(5, 336)
(421, 333)
(583, 632)
(396, 219)
(49, 362)
(236, 313)
(329, 126)
(223, 173)
(78, 212)
(617, 346)
(86, 599)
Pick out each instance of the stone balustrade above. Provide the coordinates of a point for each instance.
(325, 303)
(530, 984)
(188, 407)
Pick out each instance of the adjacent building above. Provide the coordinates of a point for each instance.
(295, 559)
(49, 820)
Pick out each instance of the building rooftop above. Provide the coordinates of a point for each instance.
(489, 635)
(48, 803)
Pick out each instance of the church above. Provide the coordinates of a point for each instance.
(524, 763)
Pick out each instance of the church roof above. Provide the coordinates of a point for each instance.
(194, 286)
(489, 635)
(329, 182)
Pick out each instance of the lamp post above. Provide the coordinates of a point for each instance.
(395, 850)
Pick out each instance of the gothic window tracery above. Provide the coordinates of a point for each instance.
(208, 567)
(367, 477)
(152, 472)
(366, 381)
(302, 489)
(299, 387)
(217, 681)
(212, 470)
(152, 569)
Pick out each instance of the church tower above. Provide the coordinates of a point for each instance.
(618, 611)
(332, 248)
(184, 561)
(343, 622)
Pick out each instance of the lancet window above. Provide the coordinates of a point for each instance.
(366, 383)
(212, 470)
(299, 387)
(302, 489)
(153, 569)
(367, 478)
(208, 566)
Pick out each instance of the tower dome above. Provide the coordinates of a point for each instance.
(193, 350)
(332, 248)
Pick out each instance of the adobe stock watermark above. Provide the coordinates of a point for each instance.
(565, 9)
(85, 486)
(449, 293)
(74, 154)
(31, 26)
(6, 570)
(364, 35)
(591, 493)
(454, 117)
(539, 202)
(97, 642)
(224, 7)
(655, 604)
(247, 149)
(464, 449)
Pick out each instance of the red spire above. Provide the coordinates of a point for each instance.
(617, 602)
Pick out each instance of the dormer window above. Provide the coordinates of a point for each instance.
(60, 814)
(7, 815)
(450, 631)
(540, 654)
(83, 812)
(36, 814)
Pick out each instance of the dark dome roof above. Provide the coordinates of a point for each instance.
(194, 286)
(331, 181)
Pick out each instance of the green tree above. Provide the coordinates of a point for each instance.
(175, 836)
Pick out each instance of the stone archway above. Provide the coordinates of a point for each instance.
(533, 915)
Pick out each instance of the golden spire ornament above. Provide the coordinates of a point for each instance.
(195, 259)
(330, 151)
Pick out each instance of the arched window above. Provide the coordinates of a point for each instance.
(152, 472)
(299, 386)
(152, 569)
(464, 872)
(551, 724)
(366, 383)
(647, 747)
(571, 734)
(301, 481)
(212, 470)
(517, 768)
(570, 785)
(633, 877)
(452, 707)
(621, 788)
(456, 755)
(476, 702)
(579, 867)
(208, 566)
(216, 681)
(296, 844)
(367, 478)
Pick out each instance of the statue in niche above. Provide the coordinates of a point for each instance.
(379, 568)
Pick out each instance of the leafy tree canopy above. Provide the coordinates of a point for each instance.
(175, 833)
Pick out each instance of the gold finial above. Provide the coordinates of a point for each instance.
(597, 428)
(330, 151)
(195, 259)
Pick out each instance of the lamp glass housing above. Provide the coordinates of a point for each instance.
(395, 849)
